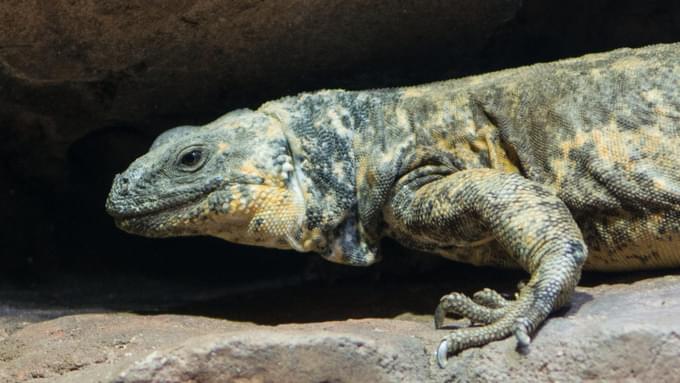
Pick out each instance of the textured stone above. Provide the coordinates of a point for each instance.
(355, 351)
(86, 347)
(610, 333)
(620, 332)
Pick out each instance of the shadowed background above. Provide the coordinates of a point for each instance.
(85, 86)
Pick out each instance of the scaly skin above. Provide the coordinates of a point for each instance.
(551, 168)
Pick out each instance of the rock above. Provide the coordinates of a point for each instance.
(89, 347)
(619, 332)
(610, 333)
(370, 350)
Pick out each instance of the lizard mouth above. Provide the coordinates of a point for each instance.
(136, 211)
(165, 221)
(122, 206)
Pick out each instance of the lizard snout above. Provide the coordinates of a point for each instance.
(120, 185)
(120, 190)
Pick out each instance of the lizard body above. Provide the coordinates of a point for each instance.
(551, 167)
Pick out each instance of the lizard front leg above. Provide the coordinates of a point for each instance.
(528, 220)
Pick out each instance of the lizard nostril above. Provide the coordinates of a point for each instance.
(122, 184)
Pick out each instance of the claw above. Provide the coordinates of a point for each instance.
(442, 351)
(439, 316)
(523, 339)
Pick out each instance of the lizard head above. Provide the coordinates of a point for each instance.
(233, 178)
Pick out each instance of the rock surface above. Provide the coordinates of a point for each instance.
(618, 332)
(611, 333)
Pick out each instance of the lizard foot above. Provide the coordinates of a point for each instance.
(499, 317)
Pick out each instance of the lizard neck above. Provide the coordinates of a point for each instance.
(326, 132)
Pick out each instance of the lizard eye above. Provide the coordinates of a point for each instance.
(191, 159)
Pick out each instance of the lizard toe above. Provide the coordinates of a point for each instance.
(459, 305)
(490, 298)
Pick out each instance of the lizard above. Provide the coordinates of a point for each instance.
(553, 168)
